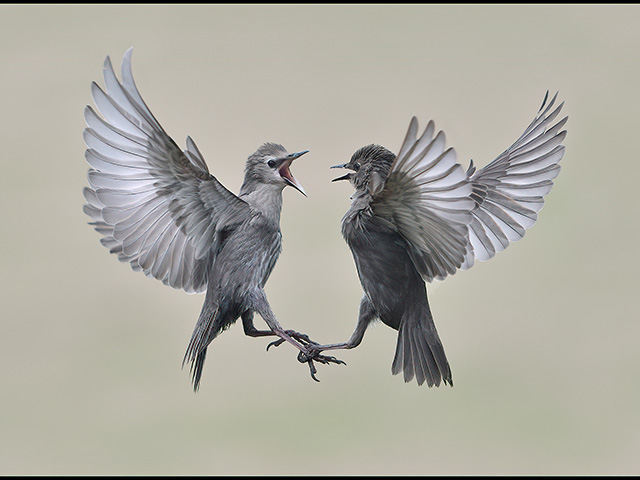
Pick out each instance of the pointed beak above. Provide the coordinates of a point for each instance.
(344, 177)
(285, 172)
(293, 156)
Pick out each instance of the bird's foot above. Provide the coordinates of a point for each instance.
(301, 337)
(310, 353)
(314, 355)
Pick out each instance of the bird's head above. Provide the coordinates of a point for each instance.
(270, 164)
(371, 166)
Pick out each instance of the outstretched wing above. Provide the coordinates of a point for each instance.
(509, 192)
(156, 206)
(427, 197)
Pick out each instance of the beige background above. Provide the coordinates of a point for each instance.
(543, 340)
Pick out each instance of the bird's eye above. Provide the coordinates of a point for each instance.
(356, 166)
(271, 163)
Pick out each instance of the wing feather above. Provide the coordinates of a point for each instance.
(157, 207)
(450, 217)
(509, 191)
(427, 198)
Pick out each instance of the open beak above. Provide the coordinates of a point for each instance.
(344, 177)
(285, 173)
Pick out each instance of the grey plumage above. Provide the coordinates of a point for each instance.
(419, 217)
(159, 209)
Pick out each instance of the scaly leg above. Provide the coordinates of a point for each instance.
(251, 331)
(260, 304)
(366, 315)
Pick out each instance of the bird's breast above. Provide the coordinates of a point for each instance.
(386, 271)
(248, 255)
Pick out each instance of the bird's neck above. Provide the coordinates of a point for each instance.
(265, 198)
(360, 200)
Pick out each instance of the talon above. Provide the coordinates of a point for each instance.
(324, 359)
(335, 360)
(311, 355)
(313, 370)
(275, 343)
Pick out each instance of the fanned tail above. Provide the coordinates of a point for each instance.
(419, 352)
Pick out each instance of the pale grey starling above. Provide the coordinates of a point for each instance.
(419, 216)
(158, 208)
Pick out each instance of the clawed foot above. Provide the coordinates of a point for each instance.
(310, 354)
(301, 337)
(313, 354)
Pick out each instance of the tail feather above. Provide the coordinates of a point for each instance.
(208, 326)
(427, 362)
(197, 365)
(419, 353)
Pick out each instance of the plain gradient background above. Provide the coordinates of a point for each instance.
(542, 340)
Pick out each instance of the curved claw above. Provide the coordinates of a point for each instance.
(275, 343)
(324, 359)
(313, 370)
(310, 353)
(333, 360)
(309, 357)
(304, 357)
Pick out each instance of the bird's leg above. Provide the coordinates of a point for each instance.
(301, 337)
(260, 304)
(366, 315)
(251, 331)
(302, 342)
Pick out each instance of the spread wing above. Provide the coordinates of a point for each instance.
(156, 206)
(509, 192)
(427, 197)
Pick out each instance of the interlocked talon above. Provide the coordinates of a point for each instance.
(307, 356)
(311, 356)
